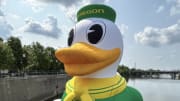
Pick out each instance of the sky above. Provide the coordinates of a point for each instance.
(150, 28)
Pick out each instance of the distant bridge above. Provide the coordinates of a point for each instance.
(156, 74)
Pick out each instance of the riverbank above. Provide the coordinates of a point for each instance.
(31, 88)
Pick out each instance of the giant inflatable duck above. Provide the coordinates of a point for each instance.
(92, 58)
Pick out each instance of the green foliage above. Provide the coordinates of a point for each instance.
(136, 73)
(40, 58)
(17, 51)
(124, 71)
(53, 63)
(29, 57)
(6, 56)
(1, 39)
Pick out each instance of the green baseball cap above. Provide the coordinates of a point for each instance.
(96, 11)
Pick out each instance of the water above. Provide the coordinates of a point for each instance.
(157, 89)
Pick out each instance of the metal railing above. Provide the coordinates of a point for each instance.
(30, 73)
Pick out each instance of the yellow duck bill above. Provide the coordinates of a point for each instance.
(82, 58)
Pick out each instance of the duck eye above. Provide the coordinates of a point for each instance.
(71, 36)
(95, 32)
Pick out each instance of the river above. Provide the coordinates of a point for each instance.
(157, 89)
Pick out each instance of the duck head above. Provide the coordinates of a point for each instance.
(95, 44)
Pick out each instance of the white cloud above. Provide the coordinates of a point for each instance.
(1, 13)
(37, 9)
(35, 5)
(70, 12)
(72, 6)
(156, 37)
(160, 9)
(123, 28)
(31, 2)
(5, 28)
(49, 27)
(67, 3)
(13, 16)
(175, 9)
(2, 2)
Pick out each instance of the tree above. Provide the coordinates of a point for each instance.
(54, 64)
(6, 57)
(15, 45)
(40, 58)
(36, 57)
(136, 73)
(124, 71)
(1, 39)
(49, 53)
(24, 59)
(31, 58)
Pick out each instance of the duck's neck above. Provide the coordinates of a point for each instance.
(108, 72)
